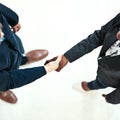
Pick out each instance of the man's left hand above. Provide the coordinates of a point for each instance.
(16, 28)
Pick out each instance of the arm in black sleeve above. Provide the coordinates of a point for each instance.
(18, 78)
(93, 41)
(10, 15)
(83, 47)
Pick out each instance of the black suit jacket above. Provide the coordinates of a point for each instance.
(108, 67)
(104, 37)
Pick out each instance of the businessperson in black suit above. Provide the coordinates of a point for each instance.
(11, 57)
(108, 73)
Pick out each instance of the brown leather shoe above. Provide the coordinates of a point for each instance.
(36, 55)
(85, 86)
(8, 96)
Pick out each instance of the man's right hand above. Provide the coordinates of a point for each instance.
(62, 63)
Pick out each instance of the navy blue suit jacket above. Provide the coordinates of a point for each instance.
(9, 17)
(11, 51)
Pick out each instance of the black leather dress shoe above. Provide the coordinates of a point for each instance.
(36, 55)
(8, 96)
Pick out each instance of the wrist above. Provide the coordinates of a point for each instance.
(65, 59)
(46, 69)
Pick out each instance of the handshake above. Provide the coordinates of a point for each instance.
(56, 63)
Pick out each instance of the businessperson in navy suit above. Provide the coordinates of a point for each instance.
(108, 73)
(11, 57)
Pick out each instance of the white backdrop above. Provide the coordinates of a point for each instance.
(56, 25)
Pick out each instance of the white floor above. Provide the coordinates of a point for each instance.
(56, 25)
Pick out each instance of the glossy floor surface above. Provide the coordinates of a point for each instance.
(56, 25)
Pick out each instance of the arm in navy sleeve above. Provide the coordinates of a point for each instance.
(18, 78)
(10, 15)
